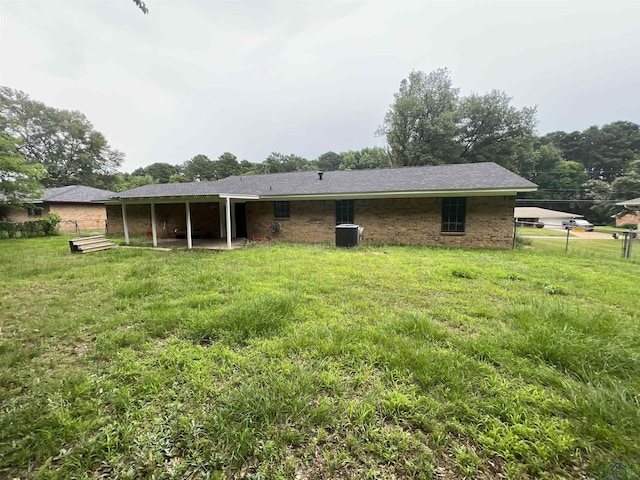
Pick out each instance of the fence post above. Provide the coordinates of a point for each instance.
(566, 248)
(515, 231)
(627, 243)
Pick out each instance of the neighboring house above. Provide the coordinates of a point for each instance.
(531, 216)
(75, 204)
(632, 217)
(451, 205)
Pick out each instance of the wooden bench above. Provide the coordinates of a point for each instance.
(90, 244)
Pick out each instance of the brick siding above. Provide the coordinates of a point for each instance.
(171, 219)
(411, 221)
(628, 219)
(86, 216)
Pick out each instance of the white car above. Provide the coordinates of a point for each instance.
(577, 223)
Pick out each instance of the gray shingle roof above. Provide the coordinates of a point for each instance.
(471, 176)
(75, 194)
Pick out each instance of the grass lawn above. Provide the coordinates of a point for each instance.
(541, 232)
(288, 361)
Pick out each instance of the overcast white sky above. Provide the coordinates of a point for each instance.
(305, 77)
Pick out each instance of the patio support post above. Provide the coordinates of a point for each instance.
(188, 212)
(124, 224)
(153, 225)
(228, 223)
(222, 222)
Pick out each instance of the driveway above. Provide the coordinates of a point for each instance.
(585, 235)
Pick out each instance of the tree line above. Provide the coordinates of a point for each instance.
(428, 123)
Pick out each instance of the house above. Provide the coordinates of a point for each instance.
(632, 216)
(75, 204)
(451, 205)
(533, 216)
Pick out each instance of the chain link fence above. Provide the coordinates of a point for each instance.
(610, 242)
(83, 227)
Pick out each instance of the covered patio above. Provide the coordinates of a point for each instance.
(214, 244)
(232, 222)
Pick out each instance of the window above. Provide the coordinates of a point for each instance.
(453, 211)
(281, 209)
(34, 212)
(344, 211)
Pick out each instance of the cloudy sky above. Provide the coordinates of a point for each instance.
(298, 76)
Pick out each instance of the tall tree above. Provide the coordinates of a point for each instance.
(19, 181)
(159, 171)
(493, 130)
(62, 141)
(279, 163)
(199, 169)
(375, 157)
(429, 124)
(227, 165)
(422, 124)
(605, 152)
(329, 161)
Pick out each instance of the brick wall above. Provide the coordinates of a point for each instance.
(22, 215)
(628, 219)
(87, 216)
(171, 219)
(413, 221)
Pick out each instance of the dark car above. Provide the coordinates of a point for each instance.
(578, 223)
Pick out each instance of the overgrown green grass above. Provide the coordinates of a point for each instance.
(541, 232)
(288, 361)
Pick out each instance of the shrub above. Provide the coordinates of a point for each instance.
(51, 224)
(34, 228)
(629, 226)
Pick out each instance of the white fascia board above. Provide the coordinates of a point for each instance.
(416, 194)
(234, 196)
(161, 200)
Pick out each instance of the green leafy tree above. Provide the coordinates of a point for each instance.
(160, 172)
(248, 168)
(127, 181)
(62, 141)
(19, 181)
(227, 165)
(375, 157)
(545, 160)
(626, 187)
(493, 130)
(279, 163)
(598, 206)
(422, 125)
(429, 124)
(329, 161)
(605, 152)
(199, 169)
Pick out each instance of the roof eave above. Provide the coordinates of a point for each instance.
(475, 192)
(404, 194)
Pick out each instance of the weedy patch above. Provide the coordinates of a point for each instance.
(288, 361)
